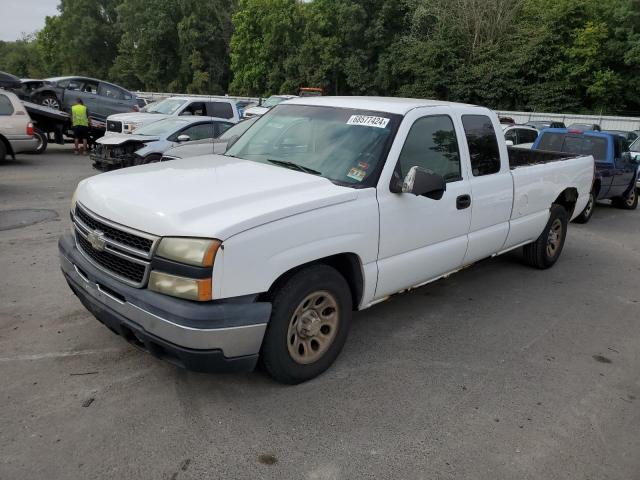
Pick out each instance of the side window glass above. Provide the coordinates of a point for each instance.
(195, 108)
(483, 144)
(90, 87)
(6, 108)
(110, 91)
(527, 136)
(222, 127)
(199, 132)
(511, 135)
(74, 85)
(220, 109)
(432, 144)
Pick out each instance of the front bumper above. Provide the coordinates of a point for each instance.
(205, 337)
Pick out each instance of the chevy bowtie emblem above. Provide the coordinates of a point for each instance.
(96, 239)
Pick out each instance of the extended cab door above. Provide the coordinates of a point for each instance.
(420, 238)
(624, 169)
(491, 185)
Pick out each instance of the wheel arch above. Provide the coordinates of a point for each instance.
(347, 264)
(7, 145)
(568, 199)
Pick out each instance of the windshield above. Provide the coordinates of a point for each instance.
(167, 107)
(163, 127)
(635, 146)
(273, 101)
(344, 145)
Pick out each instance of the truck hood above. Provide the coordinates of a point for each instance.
(120, 138)
(137, 117)
(211, 196)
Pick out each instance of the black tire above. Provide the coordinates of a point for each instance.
(629, 201)
(539, 254)
(3, 151)
(43, 141)
(288, 326)
(50, 100)
(587, 213)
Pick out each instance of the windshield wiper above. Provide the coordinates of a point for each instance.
(294, 166)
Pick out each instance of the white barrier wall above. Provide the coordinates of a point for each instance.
(606, 122)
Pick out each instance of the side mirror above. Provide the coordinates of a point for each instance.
(186, 113)
(509, 143)
(183, 138)
(424, 183)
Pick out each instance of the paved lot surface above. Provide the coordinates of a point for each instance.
(499, 372)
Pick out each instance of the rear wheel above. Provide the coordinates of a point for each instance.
(545, 251)
(308, 326)
(50, 100)
(586, 214)
(629, 201)
(41, 147)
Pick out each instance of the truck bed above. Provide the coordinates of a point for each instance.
(522, 157)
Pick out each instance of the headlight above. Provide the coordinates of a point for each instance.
(199, 252)
(188, 288)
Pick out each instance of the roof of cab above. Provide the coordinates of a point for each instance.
(395, 105)
(592, 133)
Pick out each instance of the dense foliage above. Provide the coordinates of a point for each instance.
(541, 55)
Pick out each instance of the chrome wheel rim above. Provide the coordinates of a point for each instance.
(51, 103)
(313, 327)
(631, 198)
(589, 207)
(554, 238)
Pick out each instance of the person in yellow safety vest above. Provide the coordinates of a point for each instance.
(80, 124)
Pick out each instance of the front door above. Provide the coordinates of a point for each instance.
(420, 238)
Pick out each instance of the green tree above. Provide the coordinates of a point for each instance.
(267, 34)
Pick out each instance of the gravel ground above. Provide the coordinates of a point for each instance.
(498, 372)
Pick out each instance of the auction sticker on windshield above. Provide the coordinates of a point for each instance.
(368, 121)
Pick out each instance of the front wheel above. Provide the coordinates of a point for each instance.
(586, 214)
(308, 326)
(629, 201)
(545, 251)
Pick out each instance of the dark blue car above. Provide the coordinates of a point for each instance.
(616, 171)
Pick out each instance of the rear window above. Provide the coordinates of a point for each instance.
(6, 108)
(574, 144)
(220, 109)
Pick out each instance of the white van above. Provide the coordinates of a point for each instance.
(16, 128)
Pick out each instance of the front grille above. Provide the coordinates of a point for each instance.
(114, 126)
(120, 251)
(124, 238)
(127, 269)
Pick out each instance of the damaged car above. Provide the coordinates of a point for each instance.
(149, 143)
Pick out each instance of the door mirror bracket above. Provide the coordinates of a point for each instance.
(424, 183)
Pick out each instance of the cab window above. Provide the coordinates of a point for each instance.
(220, 109)
(483, 144)
(431, 144)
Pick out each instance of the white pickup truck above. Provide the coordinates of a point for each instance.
(324, 206)
(173, 107)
